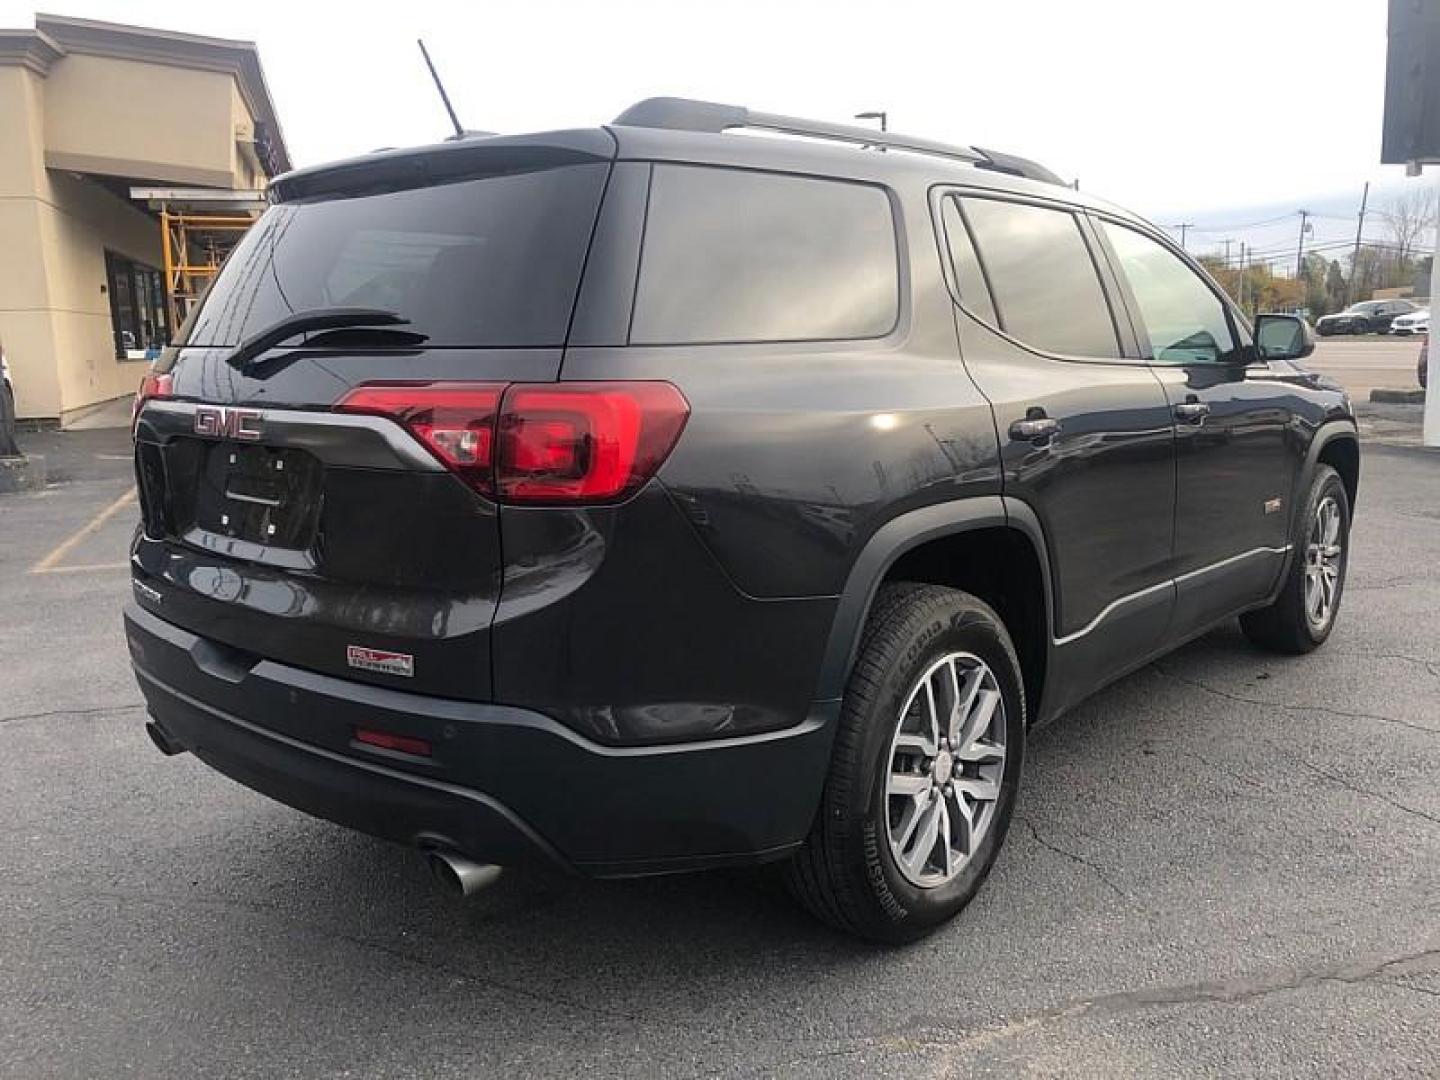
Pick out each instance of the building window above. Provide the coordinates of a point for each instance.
(137, 306)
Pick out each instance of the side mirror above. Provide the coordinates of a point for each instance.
(1283, 337)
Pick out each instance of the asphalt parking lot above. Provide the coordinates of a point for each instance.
(1362, 363)
(1228, 863)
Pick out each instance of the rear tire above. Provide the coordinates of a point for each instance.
(1304, 613)
(896, 778)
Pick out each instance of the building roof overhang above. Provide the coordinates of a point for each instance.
(54, 36)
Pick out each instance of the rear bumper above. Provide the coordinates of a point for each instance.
(505, 785)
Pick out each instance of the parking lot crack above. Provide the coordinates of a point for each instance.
(1073, 857)
(1243, 699)
(1239, 991)
(360, 941)
(128, 707)
(1367, 792)
(1430, 666)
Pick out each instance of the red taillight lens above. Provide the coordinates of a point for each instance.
(585, 442)
(456, 421)
(552, 443)
(151, 386)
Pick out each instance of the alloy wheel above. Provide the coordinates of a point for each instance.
(945, 768)
(1324, 564)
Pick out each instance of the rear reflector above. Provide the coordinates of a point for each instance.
(388, 740)
(538, 443)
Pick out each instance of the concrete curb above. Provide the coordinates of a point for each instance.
(22, 473)
(1397, 397)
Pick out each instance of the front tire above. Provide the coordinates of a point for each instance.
(925, 772)
(1304, 613)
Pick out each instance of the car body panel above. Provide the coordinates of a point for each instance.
(663, 658)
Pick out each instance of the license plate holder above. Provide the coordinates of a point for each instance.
(259, 494)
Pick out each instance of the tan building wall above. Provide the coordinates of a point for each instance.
(78, 127)
(26, 321)
(130, 118)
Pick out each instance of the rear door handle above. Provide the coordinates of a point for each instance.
(1192, 410)
(1034, 427)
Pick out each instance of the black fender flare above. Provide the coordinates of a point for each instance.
(892, 540)
(1326, 433)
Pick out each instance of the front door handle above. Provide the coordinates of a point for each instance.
(1034, 427)
(1192, 410)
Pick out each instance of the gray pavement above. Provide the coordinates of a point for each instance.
(1226, 864)
(1362, 363)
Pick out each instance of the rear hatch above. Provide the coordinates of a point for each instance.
(280, 527)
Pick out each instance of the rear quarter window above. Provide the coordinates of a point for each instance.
(737, 256)
(1046, 289)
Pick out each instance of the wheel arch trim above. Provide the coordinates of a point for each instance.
(1325, 434)
(895, 538)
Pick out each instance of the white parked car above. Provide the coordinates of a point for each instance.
(1417, 322)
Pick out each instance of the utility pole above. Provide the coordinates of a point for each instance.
(1300, 248)
(1355, 258)
(1184, 227)
(1240, 288)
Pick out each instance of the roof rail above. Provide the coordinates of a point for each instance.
(682, 114)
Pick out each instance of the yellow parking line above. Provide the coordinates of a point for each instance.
(48, 563)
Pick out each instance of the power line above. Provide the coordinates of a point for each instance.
(1242, 224)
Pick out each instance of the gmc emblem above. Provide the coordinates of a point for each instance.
(218, 422)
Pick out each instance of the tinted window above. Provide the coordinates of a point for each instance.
(1047, 292)
(970, 279)
(732, 255)
(137, 304)
(493, 261)
(1184, 319)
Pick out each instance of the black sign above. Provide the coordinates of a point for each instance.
(1412, 83)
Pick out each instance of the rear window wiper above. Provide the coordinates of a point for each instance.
(315, 319)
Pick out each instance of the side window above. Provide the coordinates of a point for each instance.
(733, 255)
(1043, 280)
(1185, 320)
(969, 278)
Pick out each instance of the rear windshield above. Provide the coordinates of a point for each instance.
(487, 262)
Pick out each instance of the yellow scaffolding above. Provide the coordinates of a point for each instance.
(194, 245)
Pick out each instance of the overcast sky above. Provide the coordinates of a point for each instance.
(1196, 110)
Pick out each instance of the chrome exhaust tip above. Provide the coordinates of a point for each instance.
(460, 876)
(163, 742)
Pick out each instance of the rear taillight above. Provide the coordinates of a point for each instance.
(151, 386)
(538, 443)
(456, 421)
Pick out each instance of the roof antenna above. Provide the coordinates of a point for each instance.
(455, 120)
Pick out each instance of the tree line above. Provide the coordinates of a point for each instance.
(1327, 284)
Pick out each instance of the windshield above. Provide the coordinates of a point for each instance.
(482, 262)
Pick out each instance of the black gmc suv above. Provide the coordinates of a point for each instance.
(655, 497)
